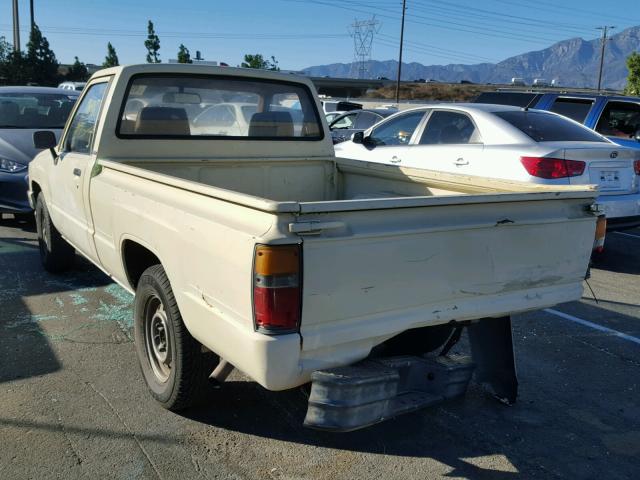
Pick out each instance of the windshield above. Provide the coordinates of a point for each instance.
(189, 106)
(546, 127)
(34, 110)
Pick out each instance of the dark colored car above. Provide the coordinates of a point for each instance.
(349, 123)
(24, 110)
(614, 116)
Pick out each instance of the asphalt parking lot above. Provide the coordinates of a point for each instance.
(74, 405)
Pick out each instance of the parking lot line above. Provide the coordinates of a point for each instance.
(628, 235)
(595, 326)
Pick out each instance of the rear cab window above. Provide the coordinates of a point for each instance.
(620, 119)
(574, 108)
(215, 107)
(547, 127)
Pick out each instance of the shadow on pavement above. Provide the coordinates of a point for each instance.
(621, 255)
(26, 223)
(24, 347)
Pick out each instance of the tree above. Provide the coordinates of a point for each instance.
(77, 72)
(183, 55)
(152, 44)
(258, 61)
(633, 80)
(42, 62)
(111, 60)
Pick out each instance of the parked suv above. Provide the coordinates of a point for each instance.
(615, 117)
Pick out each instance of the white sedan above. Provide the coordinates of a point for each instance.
(506, 142)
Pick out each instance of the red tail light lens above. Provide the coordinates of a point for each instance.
(543, 167)
(276, 288)
(636, 167)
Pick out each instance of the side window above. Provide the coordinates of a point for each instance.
(82, 128)
(397, 131)
(446, 128)
(344, 122)
(574, 108)
(619, 119)
(366, 120)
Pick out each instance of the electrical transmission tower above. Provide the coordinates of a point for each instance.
(362, 32)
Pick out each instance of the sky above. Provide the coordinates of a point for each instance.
(302, 33)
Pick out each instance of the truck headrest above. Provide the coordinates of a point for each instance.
(162, 121)
(271, 124)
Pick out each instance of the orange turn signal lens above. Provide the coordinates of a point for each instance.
(277, 259)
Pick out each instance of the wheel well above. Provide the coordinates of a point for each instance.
(137, 259)
(35, 188)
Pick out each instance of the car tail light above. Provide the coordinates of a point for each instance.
(636, 167)
(544, 167)
(276, 288)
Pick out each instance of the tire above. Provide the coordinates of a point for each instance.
(55, 253)
(171, 360)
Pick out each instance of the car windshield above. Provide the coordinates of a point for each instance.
(34, 110)
(189, 106)
(547, 127)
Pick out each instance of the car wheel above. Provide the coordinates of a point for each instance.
(172, 362)
(55, 253)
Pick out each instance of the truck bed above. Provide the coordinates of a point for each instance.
(385, 249)
(314, 185)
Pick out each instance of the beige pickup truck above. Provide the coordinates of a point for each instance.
(213, 195)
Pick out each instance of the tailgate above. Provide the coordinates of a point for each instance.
(375, 273)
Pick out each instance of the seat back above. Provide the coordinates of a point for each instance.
(162, 121)
(271, 124)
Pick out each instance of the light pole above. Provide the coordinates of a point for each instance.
(604, 42)
(404, 8)
(33, 21)
(16, 27)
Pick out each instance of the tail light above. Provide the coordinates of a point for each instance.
(636, 167)
(601, 232)
(276, 288)
(544, 167)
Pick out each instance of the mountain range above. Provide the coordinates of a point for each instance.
(573, 63)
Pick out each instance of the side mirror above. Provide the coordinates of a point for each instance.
(44, 139)
(636, 136)
(358, 137)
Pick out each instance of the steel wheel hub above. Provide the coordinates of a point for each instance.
(158, 339)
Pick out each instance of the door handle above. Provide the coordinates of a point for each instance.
(460, 162)
(395, 159)
(77, 172)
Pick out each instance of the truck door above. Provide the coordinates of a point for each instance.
(70, 175)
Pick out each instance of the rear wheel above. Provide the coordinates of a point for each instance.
(55, 253)
(172, 362)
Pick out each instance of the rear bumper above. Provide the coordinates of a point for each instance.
(13, 193)
(622, 211)
(278, 363)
